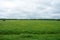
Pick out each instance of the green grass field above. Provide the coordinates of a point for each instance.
(29, 30)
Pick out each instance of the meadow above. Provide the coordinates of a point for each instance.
(29, 30)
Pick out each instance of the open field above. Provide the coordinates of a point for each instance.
(29, 30)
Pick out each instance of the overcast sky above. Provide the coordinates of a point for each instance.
(22, 9)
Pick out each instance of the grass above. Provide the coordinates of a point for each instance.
(31, 37)
(29, 30)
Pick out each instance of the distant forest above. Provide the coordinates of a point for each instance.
(30, 19)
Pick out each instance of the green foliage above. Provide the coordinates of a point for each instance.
(31, 37)
(29, 30)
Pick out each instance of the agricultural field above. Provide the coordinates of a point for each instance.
(29, 30)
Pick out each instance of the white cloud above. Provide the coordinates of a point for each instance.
(29, 8)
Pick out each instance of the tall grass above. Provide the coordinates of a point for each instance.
(31, 37)
(29, 26)
(29, 30)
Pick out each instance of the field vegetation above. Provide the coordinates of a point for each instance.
(29, 30)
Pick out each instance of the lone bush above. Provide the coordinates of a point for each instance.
(4, 20)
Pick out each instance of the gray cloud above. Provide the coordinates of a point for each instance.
(30, 9)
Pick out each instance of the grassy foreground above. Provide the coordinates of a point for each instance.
(29, 30)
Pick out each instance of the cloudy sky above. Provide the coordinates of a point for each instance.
(30, 9)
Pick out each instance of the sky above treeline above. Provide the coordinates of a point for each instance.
(30, 9)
